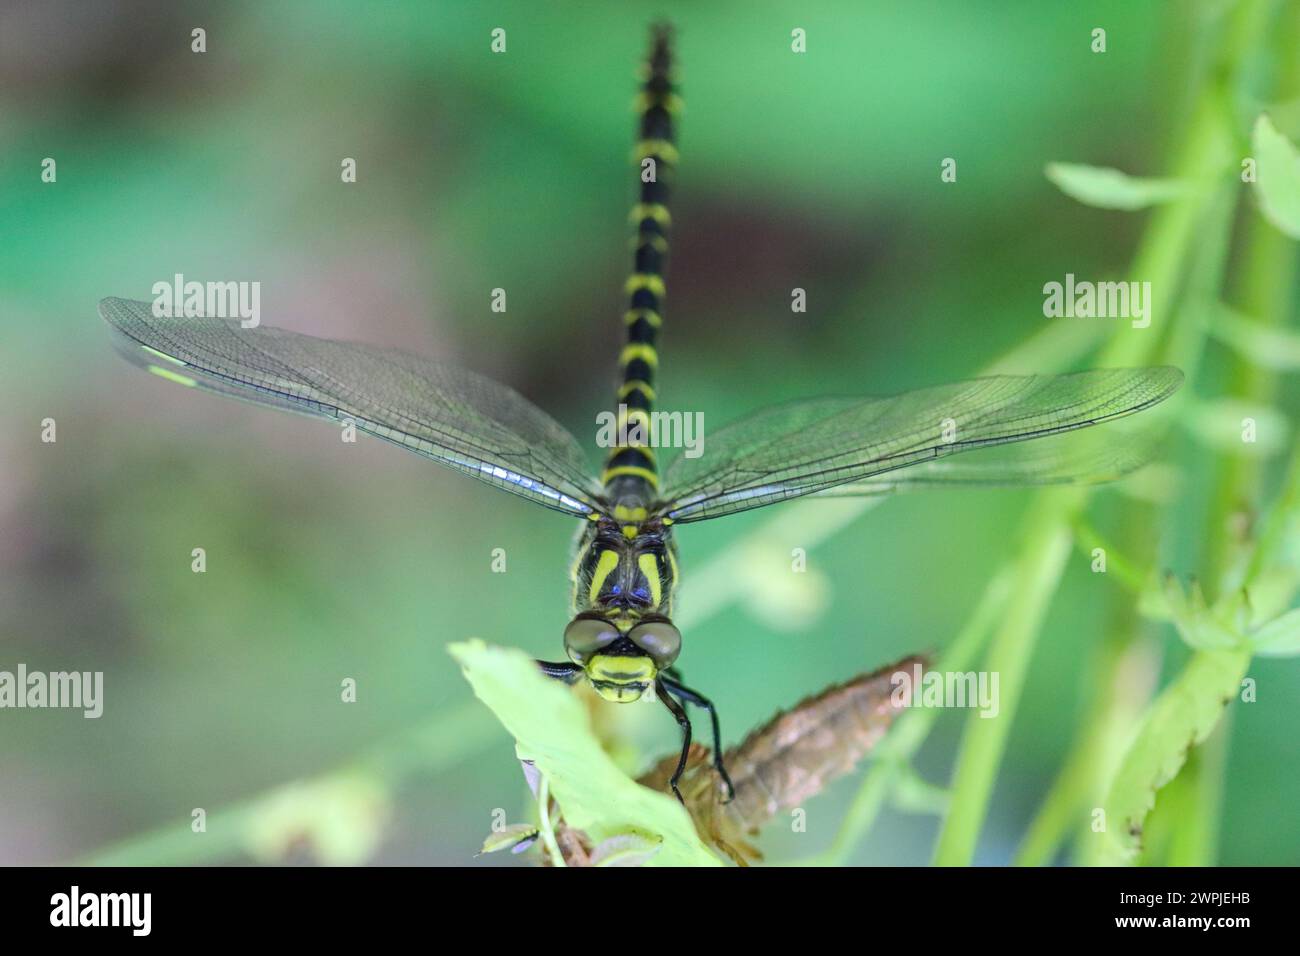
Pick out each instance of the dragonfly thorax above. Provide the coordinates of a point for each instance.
(625, 570)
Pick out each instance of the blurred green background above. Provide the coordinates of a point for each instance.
(476, 171)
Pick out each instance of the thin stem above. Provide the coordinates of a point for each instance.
(544, 827)
(1047, 544)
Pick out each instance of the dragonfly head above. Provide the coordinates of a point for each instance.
(622, 665)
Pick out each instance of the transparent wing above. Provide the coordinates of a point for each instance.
(1080, 456)
(843, 444)
(448, 414)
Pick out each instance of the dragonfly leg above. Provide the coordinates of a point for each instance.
(684, 722)
(699, 700)
(562, 670)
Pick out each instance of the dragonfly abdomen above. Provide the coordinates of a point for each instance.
(631, 471)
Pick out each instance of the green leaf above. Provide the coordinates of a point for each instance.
(1220, 424)
(508, 838)
(1108, 188)
(626, 849)
(1267, 347)
(1283, 114)
(1277, 177)
(1180, 718)
(553, 731)
(1280, 637)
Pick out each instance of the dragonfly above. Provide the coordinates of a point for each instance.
(621, 640)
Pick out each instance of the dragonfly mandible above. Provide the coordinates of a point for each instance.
(621, 638)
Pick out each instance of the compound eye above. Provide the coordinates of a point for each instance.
(659, 639)
(587, 635)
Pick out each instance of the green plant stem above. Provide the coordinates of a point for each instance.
(1196, 840)
(544, 828)
(1125, 571)
(1047, 544)
(1278, 525)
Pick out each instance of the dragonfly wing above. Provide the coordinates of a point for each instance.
(814, 446)
(1080, 456)
(445, 413)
